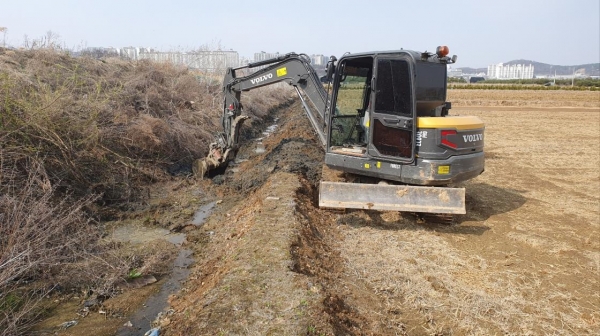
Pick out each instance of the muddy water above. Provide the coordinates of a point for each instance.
(260, 147)
(137, 234)
(201, 214)
(141, 320)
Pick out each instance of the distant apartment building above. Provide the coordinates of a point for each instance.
(454, 72)
(202, 60)
(510, 71)
(132, 53)
(315, 60)
(261, 56)
(318, 60)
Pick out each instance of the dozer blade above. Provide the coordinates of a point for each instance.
(342, 195)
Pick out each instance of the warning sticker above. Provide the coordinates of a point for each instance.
(281, 72)
(443, 170)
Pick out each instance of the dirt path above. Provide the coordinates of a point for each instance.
(524, 260)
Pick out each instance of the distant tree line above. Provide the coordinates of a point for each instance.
(587, 82)
(456, 80)
(546, 82)
(482, 86)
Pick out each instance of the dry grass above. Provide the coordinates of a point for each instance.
(38, 237)
(108, 127)
(48, 246)
(453, 291)
(558, 98)
(525, 258)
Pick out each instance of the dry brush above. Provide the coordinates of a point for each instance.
(78, 135)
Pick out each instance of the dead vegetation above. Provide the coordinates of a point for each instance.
(557, 98)
(38, 237)
(78, 135)
(107, 126)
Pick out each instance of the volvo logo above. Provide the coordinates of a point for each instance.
(473, 137)
(261, 78)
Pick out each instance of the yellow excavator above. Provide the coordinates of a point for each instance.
(384, 115)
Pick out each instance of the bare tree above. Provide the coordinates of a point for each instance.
(49, 41)
(3, 31)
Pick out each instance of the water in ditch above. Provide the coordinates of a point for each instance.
(141, 320)
(260, 147)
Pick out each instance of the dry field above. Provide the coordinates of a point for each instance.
(525, 260)
(553, 98)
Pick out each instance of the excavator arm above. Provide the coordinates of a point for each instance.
(293, 69)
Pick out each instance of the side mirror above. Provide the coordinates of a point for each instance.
(331, 68)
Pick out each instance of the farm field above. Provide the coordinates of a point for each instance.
(524, 260)
(530, 98)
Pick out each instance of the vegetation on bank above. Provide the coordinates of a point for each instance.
(79, 136)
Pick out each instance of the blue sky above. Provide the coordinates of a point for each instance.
(479, 32)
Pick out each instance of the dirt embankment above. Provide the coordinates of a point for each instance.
(524, 260)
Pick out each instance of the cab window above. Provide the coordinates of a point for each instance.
(393, 95)
(352, 101)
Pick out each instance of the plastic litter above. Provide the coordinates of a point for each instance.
(152, 332)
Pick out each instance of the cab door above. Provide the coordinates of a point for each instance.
(392, 126)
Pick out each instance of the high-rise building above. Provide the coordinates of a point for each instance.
(318, 60)
(510, 71)
(203, 60)
(261, 56)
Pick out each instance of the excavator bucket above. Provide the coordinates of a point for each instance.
(343, 195)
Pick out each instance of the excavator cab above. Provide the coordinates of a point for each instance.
(389, 121)
(382, 129)
(373, 110)
(349, 121)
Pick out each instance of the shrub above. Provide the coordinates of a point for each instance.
(108, 127)
(38, 236)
